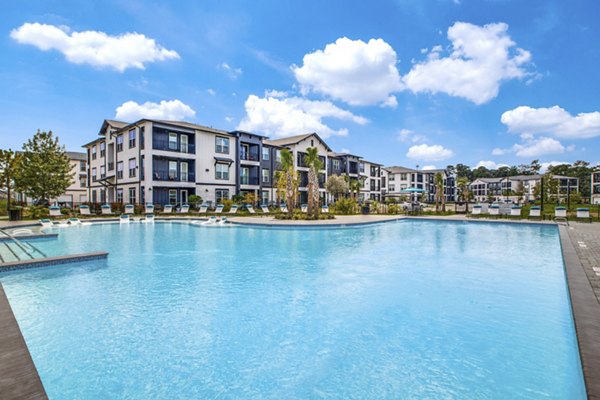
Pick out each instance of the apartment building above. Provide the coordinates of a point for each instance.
(595, 186)
(370, 173)
(161, 162)
(519, 188)
(397, 181)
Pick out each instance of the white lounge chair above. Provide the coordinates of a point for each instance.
(250, 209)
(55, 211)
(203, 209)
(283, 208)
(149, 209)
(211, 221)
(233, 209)
(476, 210)
(584, 214)
(222, 221)
(84, 210)
(535, 212)
(106, 210)
(304, 208)
(515, 211)
(74, 221)
(129, 209)
(148, 219)
(265, 209)
(560, 212)
(124, 219)
(46, 223)
(495, 210)
(219, 208)
(185, 208)
(167, 208)
(325, 209)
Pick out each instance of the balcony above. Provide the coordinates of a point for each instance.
(166, 145)
(249, 156)
(171, 177)
(248, 180)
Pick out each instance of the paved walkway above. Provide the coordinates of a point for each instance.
(339, 220)
(586, 240)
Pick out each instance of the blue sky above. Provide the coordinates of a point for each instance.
(404, 82)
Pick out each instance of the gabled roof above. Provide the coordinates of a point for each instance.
(344, 155)
(397, 169)
(188, 125)
(112, 123)
(291, 140)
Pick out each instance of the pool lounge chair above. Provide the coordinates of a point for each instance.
(265, 209)
(219, 208)
(250, 209)
(283, 208)
(515, 211)
(84, 210)
(185, 208)
(73, 221)
(495, 210)
(124, 219)
(535, 212)
(167, 209)
(203, 209)
(477, 210)
(148, 219)
(560, 212)
(149, 209)
(233, 209)
(46, 223)
(55, 211)
(222, 221)
(106, 210)
(128, 209)
(583, 214)
(304, 208)
(325, 209)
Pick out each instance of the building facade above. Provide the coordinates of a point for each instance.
(520, 188)
(595, 186)
(397, 181)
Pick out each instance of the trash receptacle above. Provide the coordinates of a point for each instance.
(364, 209)
(15, 214)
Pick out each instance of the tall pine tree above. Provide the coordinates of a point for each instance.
(44, 171)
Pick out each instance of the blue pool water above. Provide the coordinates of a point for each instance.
(413, 309)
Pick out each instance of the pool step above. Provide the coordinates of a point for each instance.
(11, 252)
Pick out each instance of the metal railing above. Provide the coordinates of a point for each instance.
(27, 248)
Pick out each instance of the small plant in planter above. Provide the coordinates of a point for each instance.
(195, 200)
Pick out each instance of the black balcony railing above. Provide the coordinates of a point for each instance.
(165, 145)
(167, 176)
(249, 156)
(248, 180)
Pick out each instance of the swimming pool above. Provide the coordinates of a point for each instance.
(411, 309)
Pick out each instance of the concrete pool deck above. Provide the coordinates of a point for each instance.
(581, 253)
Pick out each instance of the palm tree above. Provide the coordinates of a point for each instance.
(463, 190)
(314, 164)
(439, 192)
(287, 179)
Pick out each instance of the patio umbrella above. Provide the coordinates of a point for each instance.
(412, 190)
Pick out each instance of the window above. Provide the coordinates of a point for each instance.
(266, 173)
(221, 171)
(132, 167)
(244, 152)
(335, 163)
(392, 178)
(183, 145)
(183, 171)
(403, 177)
(132, 195)
(132, 138)
(221, 194)
(119, 143)
(94, 174)
(222, 145)
(94, 152)
(102, 149)
(94, 196)
(120, 170)
(312, 143)
(265, 155)
(172, 141)
(82, 181)
(278, 155)
(172, 196)
(119, 195)
(392, 188)
(265, 197)
(172, 170)
(102, 172)
(361, 167)
(245, 176)
(82, 166)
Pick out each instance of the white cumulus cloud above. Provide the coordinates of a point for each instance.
(481, 58)
(489, 164)
(166, 109)
(232, 72)
(428, 167)
(282, 116)
(353, 71)
(429, 153)
(129, 50)
(406, 135)
(498, 151)
(554, 121)
(538, 147)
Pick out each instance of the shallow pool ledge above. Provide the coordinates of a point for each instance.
(586, 315)
(42, 262)
(19, 378)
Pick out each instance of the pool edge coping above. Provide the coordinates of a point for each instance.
(19, 378)
(586, 314)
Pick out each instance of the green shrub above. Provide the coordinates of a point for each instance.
(345, 206)
(394, 209)
(38, 212)
(227, 205)
(3, 207)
